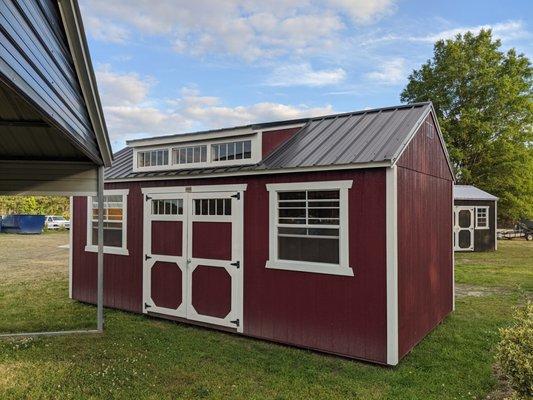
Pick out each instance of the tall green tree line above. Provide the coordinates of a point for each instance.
(47, 205)
(483, 100)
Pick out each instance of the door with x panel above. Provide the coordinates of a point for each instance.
(463, 228)
(165, 260)
(215, 264)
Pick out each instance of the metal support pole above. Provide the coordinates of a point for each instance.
(100, 292)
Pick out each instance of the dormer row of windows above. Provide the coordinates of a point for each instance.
(225, 153)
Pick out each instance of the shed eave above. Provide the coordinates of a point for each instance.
(384, 164)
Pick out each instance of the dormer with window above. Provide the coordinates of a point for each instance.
(224, 148)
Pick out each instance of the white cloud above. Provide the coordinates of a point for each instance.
(504, 30)
(248, 29)
(305, 75)
(390, 72)
(122, 89)
(365, 11)
(131, 112)
(105, 30)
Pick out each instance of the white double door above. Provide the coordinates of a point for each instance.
(193, 255)
(463, 228)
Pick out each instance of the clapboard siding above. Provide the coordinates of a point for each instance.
(36, 62)
(337, 314)
(425, 248)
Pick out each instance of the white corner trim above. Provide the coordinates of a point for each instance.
(195, 189)
(392, 265)
(108, 250)
(70, 246)
(453, 252)
(304, 266)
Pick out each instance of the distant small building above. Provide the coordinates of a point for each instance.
(475, 219)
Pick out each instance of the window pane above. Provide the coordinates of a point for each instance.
(222, 152)
(239, 150)
(140, 159)
(205, 207)
(248, 149)
(212, 206)
(183, 155)
(292, 212)
(203, 157)
(324, 213)
(197, 207)
(196, 154)
(308, 249)
(189, 155)
(214, 151)
(231, 150)
(323, 194)
(227, 206)
(291, 195)
(220, 206)
(286, 204)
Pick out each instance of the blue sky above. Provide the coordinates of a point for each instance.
(172, 66)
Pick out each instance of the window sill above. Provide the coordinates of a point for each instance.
(317, 268)
(108, 250)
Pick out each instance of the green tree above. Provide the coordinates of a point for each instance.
(47, 205)
(483, 100)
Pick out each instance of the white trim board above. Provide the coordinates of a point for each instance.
(392, 265)
(92, 248)
(195, 189)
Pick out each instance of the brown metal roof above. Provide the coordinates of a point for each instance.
(374, 136)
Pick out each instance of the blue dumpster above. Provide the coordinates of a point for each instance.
(23, 223)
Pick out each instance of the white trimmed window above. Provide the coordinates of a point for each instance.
(152, 158)
(231, 151)
(482, 218)
(309, 227)
(115, 222)
(189, 154)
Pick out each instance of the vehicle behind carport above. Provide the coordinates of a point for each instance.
(57, 222)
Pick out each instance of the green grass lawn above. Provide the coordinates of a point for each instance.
(142, 358)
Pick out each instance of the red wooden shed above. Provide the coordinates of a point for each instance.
(330, 233)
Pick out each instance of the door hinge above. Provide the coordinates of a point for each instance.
(236, 322)
(236, 264)
(146, 305)
(237, 196)
(148, 198)
(147, 257)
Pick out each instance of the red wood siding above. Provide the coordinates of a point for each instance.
(211, 240)
(273, 139)
(425, 248)
(425, 154)
(337, 314)
(166, 282)
(211, 291)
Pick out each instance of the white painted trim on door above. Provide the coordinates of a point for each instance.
(496, 225)
(195, 189)
(392, 265)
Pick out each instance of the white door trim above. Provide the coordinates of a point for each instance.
(186, 262)
(392, 264)
(181, 261)
(236, 273)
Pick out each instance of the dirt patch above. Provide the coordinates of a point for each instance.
(462, 290)
(503, 389)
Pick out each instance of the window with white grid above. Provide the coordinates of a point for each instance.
(309, 227)
(482, 217)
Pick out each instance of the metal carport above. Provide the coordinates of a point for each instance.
(53, 137)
